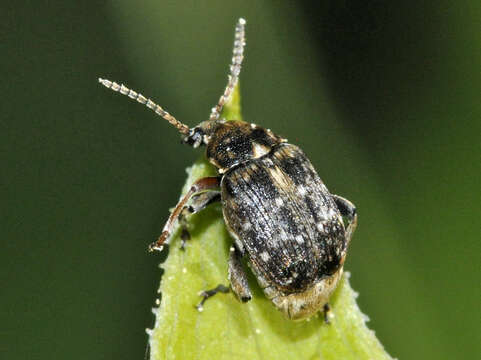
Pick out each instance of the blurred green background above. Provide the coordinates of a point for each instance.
(384, 98)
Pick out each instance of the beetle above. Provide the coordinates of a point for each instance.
(281, 216)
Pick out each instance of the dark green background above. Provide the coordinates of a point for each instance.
(385, 99)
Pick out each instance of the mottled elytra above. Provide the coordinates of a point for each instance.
(282, 218)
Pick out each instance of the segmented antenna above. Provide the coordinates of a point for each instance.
(124, 90)
(235, 67)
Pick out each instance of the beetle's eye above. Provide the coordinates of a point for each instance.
(195, 137)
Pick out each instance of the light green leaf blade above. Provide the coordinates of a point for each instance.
(228, 329)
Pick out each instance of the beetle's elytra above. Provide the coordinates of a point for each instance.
(278, 211)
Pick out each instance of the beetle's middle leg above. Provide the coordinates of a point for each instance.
(209, 293)
(198, 202)
(201, 185)
(326, 309)
(237, 278)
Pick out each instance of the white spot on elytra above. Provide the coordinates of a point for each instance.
(246, 226)
(301, 190)
(265, 256)
(332, 213)
(279, 201)
(300, 239)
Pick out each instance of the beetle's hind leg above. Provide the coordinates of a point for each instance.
(198, 203)
(200, 186)
(348, 210)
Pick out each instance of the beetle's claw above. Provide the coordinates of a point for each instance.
(154, 246)
(327, 311)
(159, 244)
(184, 236)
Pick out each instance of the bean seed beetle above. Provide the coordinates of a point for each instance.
(281, 216)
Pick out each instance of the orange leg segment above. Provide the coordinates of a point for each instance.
(204, 184)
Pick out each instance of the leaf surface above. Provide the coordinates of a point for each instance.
(229, 329)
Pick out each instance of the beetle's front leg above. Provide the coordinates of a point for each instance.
(347, 209)
(204, 184)
(199, 202)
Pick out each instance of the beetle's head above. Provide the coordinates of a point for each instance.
(202, 133)
(230, 143)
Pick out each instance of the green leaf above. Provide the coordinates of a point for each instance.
(229, 329)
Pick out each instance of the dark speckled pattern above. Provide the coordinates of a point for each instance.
(285, 218)
(232, 143)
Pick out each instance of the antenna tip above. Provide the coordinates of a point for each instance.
(105, 82)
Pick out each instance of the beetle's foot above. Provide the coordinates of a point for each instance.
(209, 293)
(184, 236)
(159, 244)
(327, 311)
